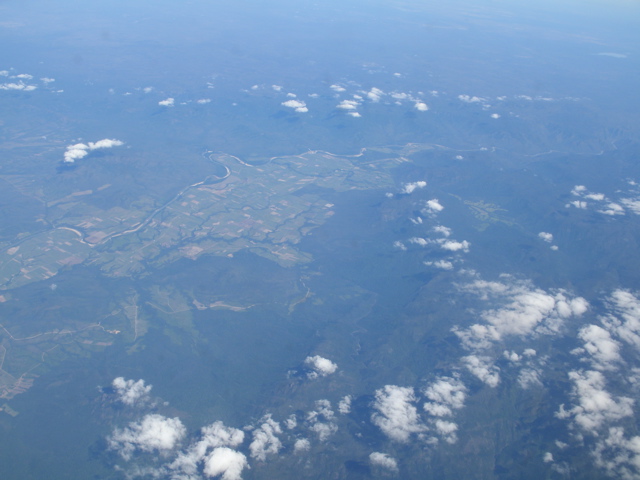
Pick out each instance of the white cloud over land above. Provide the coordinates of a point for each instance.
(395, 413)
(321, 366)
(298, 105)
(153, 433)
(81, 150)
(131, 392)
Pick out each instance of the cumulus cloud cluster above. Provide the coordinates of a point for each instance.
(376, 95)
(81, 150)
(596, 411)
(522, 311)
(526, 310)
(602, 203)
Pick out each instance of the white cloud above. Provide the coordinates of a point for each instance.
(495, 116)
(354, 114)
(527, 311)
(291, 422)
(344, 406)
(153, 433)
(412, 186)
(298, 105)
(75, 152)
(225, 462)
(421, 106)
(482, 368)
(548, 457)
(131, 392)
(598, 197)
(512, 356)
(348, 105)
(445, 394)
(454, 246)
(395, 414)
(447, 429)
(469, 99)
(619, 455)
(204, 101)
(625, 319)
(441, 264)
(81, 150)
(23, 76)
(547, 237)
(47, 80)
(595, 406)
(419, 241)
(578, 204)
(398, 244)
(168, 102)
(321, 420)
(603, 349)
(324, 430)
(212, 436)
(301, 445)
(434, 206)
(442, 230)
(632, 204)
(375, 94)
(337, 88)
(265, 440)
(321, 366)
(578, 190)
(277, 88)
(612, 209)
(291, 95)
(529, 377)
(105, 143)
(17, 86)
(383, 460)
